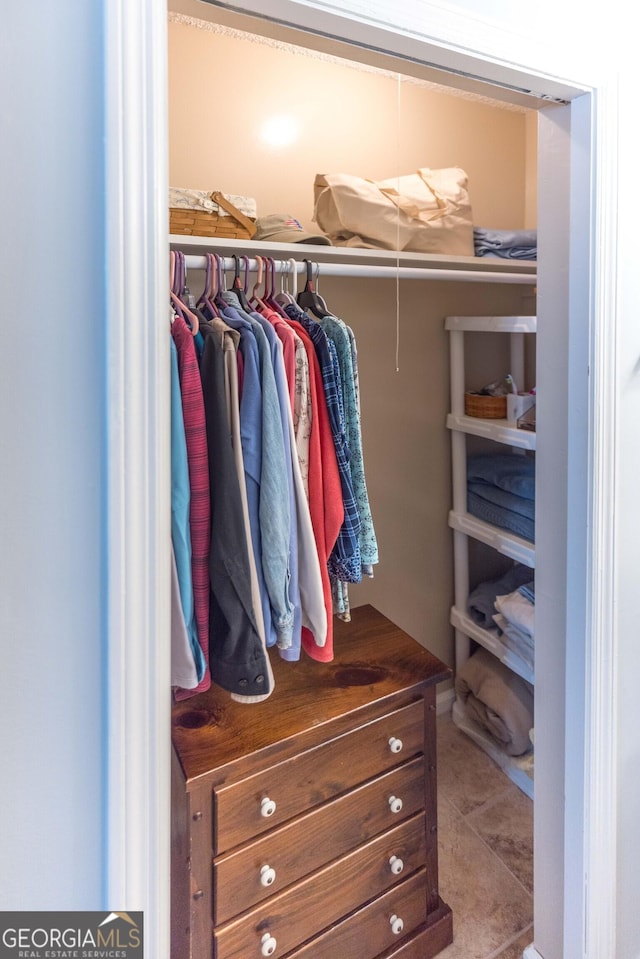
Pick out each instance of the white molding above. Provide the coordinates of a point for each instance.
(531, 953)
(138, 464)
(440, 35)
(600, 708)
(445, 699)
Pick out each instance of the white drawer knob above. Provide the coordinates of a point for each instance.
(395, 804)
(267, 876)
(397, 925)
(269, 945)
(395, 745)
(396, 864)
(267, 808)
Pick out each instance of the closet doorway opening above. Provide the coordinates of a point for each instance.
(554, 155)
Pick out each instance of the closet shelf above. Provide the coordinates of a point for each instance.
(412, 265)
(517, 548)
(518, 769)
(500, 431)
(491, 324)
(490, 639)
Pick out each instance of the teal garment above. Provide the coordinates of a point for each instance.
(180, 503)
(338, 332)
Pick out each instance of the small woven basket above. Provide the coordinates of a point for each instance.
(236, 226)
(485, 407)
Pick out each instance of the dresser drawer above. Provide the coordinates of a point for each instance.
(254, 872)
(378, 926)
(314, 904)
(245, 809)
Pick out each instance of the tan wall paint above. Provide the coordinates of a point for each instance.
(220, 88)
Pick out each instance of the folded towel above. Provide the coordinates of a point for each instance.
(498, 700)
(482, 599)
(509, 244)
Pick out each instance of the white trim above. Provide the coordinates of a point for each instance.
(600, 709)
(445, 700)
(531, 953)
(436, 34)
(138, 462)
(138, 757)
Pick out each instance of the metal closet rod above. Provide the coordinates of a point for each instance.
(193, 262)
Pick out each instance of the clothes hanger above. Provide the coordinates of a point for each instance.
(220, 283)
(177, 278)
(283, 297)
(255, 299)
(270, 287)
(206, 300)
(309, 299)
(240, 287)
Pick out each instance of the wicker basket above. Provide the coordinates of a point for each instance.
(486, 407)
(195, 222)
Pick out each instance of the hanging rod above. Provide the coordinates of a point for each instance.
(193, 262)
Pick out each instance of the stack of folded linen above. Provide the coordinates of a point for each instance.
(497, 700)
(507, 244)
(501, 491)
(481, 604)
(515, 620)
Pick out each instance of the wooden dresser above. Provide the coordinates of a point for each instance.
(305, 827)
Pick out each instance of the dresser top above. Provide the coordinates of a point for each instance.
(373, 660)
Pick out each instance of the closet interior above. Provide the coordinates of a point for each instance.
(255, 114)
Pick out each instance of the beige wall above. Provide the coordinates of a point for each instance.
(221, 89)
(224, 87)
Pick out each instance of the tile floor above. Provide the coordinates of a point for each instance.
(485, 851)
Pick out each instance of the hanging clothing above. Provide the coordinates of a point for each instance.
(183, 667)
(344, 561)
(199, 505)
(238, 658)
(180, 505)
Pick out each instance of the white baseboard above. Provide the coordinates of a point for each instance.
(445, 700)
(531, 953)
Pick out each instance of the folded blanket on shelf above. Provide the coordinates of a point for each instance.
(501, 491)
(498, 516)
(518, 610)
(517, 640)
(503, 500)
(482, 599)
(497, 700)
(512, 473)
(508, 244)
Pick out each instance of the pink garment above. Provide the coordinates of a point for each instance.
(325, 493)
(200, 507)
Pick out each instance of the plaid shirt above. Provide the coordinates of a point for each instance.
(345, 559)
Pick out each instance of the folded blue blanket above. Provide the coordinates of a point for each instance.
(501, 517)
(513, 474)
(509, 244)
(502, 499)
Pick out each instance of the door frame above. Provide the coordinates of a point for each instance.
(138, 766)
